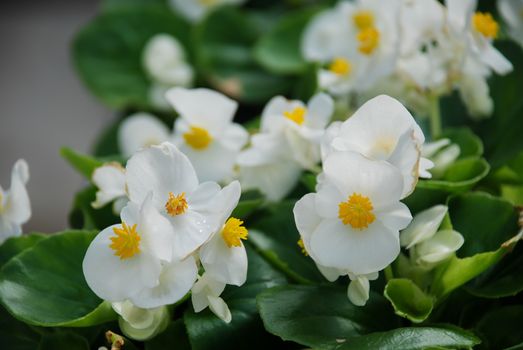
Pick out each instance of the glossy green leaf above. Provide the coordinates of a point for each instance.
(273, 231)
(15, 245)
(83, 163)
(84, 216)
(413, 338)
(108, 52)
(280, 50)
(44, 285)
(319, 315)
(206, 331)
(470, 144)
(408, 299)
(501, 327)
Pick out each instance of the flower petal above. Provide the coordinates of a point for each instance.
(219, 307)
(358, 291)
(110, 180)
(423, 226)
(140, 130)
(320, 109)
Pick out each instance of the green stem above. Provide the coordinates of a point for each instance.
(435, 117)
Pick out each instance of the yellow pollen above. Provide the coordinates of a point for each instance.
(126, 242)
(369, 39)
(485, 24)
(356, 211)
(297, 115)
(198, 138)
(233, 232)
(176, 205)
(302, 246)
(340, 66)
(363, 19)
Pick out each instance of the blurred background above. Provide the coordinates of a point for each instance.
(43, 105)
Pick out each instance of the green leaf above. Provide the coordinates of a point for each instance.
(408, 299)
(470, 144)
(501, 327)
(279, 51)
(413, 338)
(15, 245)
(108, 52)
(83, 163)
(84, 216)
(207, 331)
(223, 42)
(44, 285)
(249, 202)
(15, 335)
(273, 232)
(318, 315)
(63, 341)
(175, 333)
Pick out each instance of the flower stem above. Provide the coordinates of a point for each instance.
(435, 117)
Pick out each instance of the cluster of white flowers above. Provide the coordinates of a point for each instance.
(415, 50)
(351, 225)
(176, 235)
(15, 208)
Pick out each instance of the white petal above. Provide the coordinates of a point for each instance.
(423, 226)
(429, 149)
(202, 288)
(396, 216)
(272, 117)
(201, 197)
(17, 207)
(439, 247)
(495, 59)
(140, 130)
(160, 169)
(160, 320)
(319, 110)
(8, 229)
(234, 137)
(424, 166)
(135, 316)
(358, 291)
(306, 218)
(157, 232)
(459, 12)
(406, 157)
(176, 280)
(331, 273)
(191, 230)
(219, 307)
(110, 180)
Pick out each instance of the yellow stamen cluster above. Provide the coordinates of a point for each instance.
(176, 205)
(369, 40)
(297, 115)
(302, 246)
(363, 19)
(233, 232)
(126, 242)
(198, 138)
(485, 24)
(340, 66)
(356, 211)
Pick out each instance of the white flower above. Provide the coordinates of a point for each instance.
(512, 13)
(206, 293)
(474, 92)
(194, 10)
(381, 129)
(352, 223)
(110, 180)
(15, 208)
(442, 153)
(124, 259)
(140, 130)
(427, 244)
(140, 324)
(224, 257)
(205, 131)
(359, 288)
(193, 209)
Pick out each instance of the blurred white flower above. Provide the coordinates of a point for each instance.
(140, 130)
(110, 180)
(206, 133)
(15, 208)
(206, 293)
(140, 324)
(512, 13)
(428, 245)
(194, 10)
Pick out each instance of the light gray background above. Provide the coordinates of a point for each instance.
(43, 104)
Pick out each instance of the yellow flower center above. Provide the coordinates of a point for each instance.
(369, 39)
(233, 232)
(485, 24)
(198, 138)
(207, 2)
(297, 115)
(340, 66)
(356, 211)
(126, 242)
(363, 19)
(176, 205)
(302, 246)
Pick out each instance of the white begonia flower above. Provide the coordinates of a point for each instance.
(205, 131)
(141, 130)
(359, 288)
(124, 259)
(193, 209)
(206, 293)
(224, 257)
(512, 13)
(110, 180)
(479, 30)
(194, 10)
(352, 223)
(427, 244)
(140, 324)
(442, 153)
(15, 207)
(381, 129)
